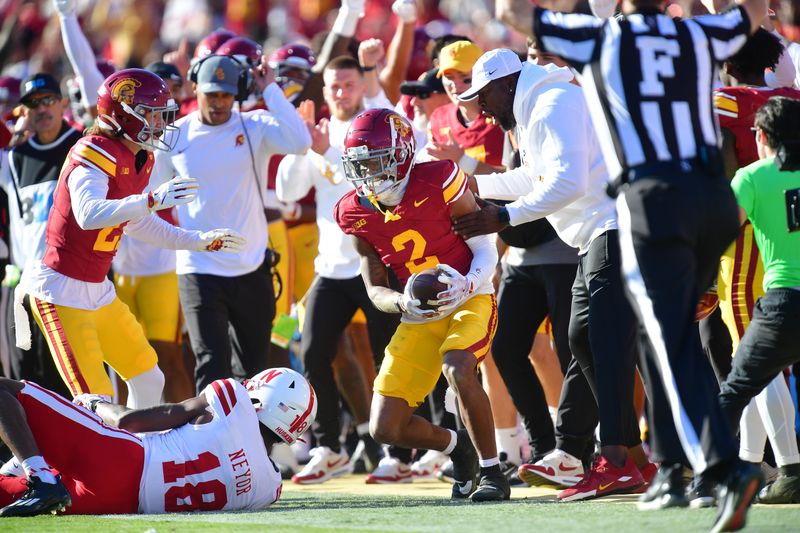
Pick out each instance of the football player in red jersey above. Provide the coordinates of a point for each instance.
(99, 197)
(400, 214)
(206, 453)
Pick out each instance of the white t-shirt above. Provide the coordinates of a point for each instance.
(219, 157)
(220, 465)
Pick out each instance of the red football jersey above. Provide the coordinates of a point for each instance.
(86, 254)
(736, 109)
(482, 140)
(423, 235)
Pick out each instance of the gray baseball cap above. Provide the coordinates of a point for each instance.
(218, 74)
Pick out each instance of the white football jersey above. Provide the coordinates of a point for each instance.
(219, 465)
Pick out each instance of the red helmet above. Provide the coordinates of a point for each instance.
(292, 65)
(246, 51)
(378, 152)
(137, 103)
(209, 44)
(9, 90)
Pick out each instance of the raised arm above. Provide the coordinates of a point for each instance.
(398, 55)
(80, 54)
(517, 14)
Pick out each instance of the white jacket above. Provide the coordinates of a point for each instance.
(562, 176)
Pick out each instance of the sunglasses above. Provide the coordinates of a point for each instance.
(47, 101)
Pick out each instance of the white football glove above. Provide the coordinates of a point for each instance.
(460, 288)
(221, 240)
(410, 305)
(176, 191)
(406, 10)
(603, 9)
(90, 401)
(64, 7)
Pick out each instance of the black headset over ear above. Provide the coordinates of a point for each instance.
(244, 83)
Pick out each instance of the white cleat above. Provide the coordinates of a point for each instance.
(390, 470)
(557, 468)
(428, 465)
(325, 464)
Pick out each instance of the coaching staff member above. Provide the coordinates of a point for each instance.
(227, 151)
(647, 78)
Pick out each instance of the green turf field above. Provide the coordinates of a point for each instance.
(349, 505)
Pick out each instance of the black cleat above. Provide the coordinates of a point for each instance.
(702, 492)
(372, 453)
(736, 494)
(509, 470)
(40, 498)
(465, 466)
(492, 488)
(785, 488)
(665, 491)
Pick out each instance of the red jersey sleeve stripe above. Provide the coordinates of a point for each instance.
(229, 388)
(223, 401)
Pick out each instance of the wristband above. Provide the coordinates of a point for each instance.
(93, 404)
(368, 69)
(468, 164)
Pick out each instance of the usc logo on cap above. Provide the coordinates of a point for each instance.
(219, 74)
(124, 90)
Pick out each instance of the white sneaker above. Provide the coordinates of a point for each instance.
(557, 468)
(12, 468)
(390, 470)
(324, 465)
(428, 464)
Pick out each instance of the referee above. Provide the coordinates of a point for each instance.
(648, 78)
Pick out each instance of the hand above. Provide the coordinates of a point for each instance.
(221, 240)
(460, 288)
(290, 211)
(410, 305)
(356, 6)
(64, 7)
(180, 58)
(406, 10)
(307, 112)
(482, 222)
(603, 9)
(177, 191)
(90, 401)
(447, 150)
(320, 137)
(263, 75)
(370, 52)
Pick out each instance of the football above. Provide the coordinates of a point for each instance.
(426, 287)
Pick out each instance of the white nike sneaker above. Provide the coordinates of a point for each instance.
(324, 465)
(428, 465)
(557, 468)
(390, 470)
(12, 468)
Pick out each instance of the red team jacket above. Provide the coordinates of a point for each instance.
(423, 236)
(736, 109)
(81, 254)
(482, 140)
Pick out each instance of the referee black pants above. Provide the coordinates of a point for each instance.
(673, 230)
(527, 295)
(770, 344)
(603, 339)
(210, 303)
(330, 305)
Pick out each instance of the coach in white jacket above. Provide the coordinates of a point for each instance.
(563, 177)
(227, 152)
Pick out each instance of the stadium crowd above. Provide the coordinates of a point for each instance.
(502, 243)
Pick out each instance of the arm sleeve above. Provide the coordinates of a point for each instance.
(484, 259)
(295, 177)
(5, 169)
(88, 189)
(82, 58)
(283, 131)
(727, 31)
(508, 185)
(572, 36)
(742, 186)
(157, 231)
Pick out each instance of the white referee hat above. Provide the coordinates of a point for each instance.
(492, 65)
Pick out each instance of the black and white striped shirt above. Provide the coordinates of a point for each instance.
(647, 78)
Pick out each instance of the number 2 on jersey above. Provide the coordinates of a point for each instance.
(193, 496)
(108, 239)
(419, 243)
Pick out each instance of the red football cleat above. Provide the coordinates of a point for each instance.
(603, 479)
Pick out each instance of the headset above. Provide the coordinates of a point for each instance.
(244, 84)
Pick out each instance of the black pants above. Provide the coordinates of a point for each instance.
(330, 305)
(717, 344)
(36, 364)
(603, 339)
(527, 295)
(770, 344)
(210, 303)
(673, 230)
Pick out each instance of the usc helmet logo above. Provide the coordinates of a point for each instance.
(124, 90)
(398, 124)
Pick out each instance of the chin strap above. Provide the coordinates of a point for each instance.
(388, 216)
